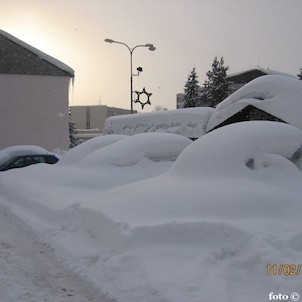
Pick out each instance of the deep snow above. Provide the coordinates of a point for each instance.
(145, 228)
(31, 272)
(277, 95)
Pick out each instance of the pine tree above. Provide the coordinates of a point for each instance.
(191, 90)
(216, 87)
(72, 132)
(300, 74)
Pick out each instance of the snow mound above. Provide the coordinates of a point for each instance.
(189, 122)
(280, 96)
(204, 230)
(241, 148)
(246, 166)
(229, 206)
(128, 152)
(19, 150)
(96, 165)
(75, 154)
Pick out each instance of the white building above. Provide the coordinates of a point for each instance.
(34, 95)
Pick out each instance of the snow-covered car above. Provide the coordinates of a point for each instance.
(24, 155)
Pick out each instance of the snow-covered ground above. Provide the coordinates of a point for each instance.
(144, 226)
(31, 272)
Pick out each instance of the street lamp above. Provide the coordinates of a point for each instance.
(149, 46)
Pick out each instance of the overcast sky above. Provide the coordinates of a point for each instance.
(186, 34)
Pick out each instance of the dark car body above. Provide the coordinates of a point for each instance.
(21, 161)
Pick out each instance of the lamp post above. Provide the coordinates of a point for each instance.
(150, 47)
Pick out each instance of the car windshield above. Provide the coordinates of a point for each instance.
(7, 162)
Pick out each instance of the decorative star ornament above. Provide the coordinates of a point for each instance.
(139, 93)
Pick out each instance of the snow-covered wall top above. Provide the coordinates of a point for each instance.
(280, 96)
(41, 55)
(189, 122)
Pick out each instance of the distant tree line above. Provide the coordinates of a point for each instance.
(215, 88)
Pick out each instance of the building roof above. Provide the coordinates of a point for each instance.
(279, 96)
(18, 57)
(251, 74)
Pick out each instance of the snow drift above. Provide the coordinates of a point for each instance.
(203, 230)
(74, 155)
(99, 164)
(280, 96)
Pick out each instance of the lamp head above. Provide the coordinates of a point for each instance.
(139, 69)
(109, 40)
(150, 46)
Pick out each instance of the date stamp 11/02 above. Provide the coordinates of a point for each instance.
(283, 269)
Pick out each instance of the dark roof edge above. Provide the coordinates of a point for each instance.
(265, 71)
(41, 55)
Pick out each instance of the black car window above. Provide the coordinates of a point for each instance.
(20, 162)
(26, 160)
(38, 159)
(50, 159)
(7, 163)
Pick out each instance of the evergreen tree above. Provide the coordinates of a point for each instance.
(72, 132)
(216, 87)
(300, 74)
(191, 90)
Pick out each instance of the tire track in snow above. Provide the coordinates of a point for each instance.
(30, 271)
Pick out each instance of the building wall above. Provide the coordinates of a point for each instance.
(93, 116)
(180, 100)
(34, 111)
(78, 116)
(89, 117)
(98, 115)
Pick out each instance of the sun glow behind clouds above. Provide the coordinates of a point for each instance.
(33, 38)
(74, 32)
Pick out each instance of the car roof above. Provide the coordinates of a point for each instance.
(37, 154)
(21, 150)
